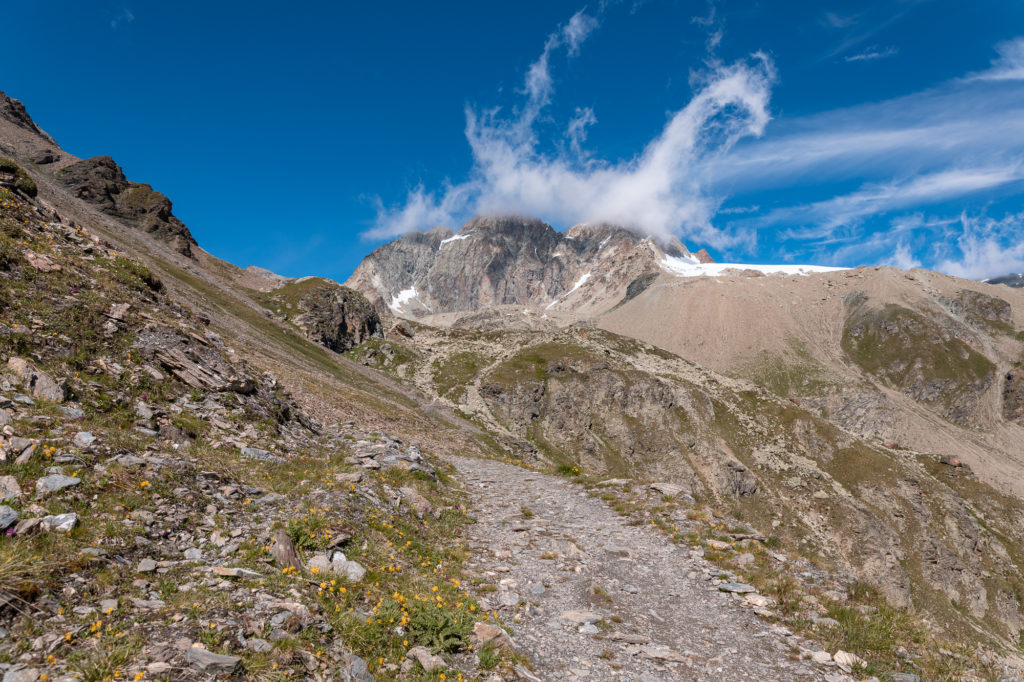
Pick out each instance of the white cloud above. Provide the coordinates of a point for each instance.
(872, 54)
(1008, 66)
(662, 191)
(902, 257)
(988, 247)
(824, 217)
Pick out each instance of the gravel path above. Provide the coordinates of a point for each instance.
(591, 597)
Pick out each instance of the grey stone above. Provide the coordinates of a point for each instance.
(61, 523)
(194, 554)
(39, 384)
(146, 566)
(8, 517)
(208, 662)
(262, 455)
(53, 483)
(353, 669)
(260, 646)
(429, 661)
(21, 675)
(738, 588)
(9, 488)
(83, 439)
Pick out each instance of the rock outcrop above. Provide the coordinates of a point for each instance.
(505, 260)
(338, 317)
(101, 182)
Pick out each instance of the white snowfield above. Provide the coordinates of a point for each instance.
(402, 298)
(691, 267)
(580, 282)
(453, 239)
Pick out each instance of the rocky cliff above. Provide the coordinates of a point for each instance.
(101, 182)
(505, 260)
(332, 315)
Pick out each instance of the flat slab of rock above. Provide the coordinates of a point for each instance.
(738, 588)
(235, 572)
(208, 662)
(663, 653)
(579, 617)
(47, 485)
(670, 489)
(9, 488)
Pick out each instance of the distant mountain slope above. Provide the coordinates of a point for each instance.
(1015, 280)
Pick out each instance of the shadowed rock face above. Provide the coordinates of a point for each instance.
(101, 182)
(499, 260)
(338, 317)
(1014, 280)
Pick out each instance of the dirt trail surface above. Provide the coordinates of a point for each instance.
(600, 599)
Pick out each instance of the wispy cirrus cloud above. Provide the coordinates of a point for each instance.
(661, 191)
(956, 141)
(872, 53)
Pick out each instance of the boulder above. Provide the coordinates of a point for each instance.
(39, 384)
(208, 662)
(8, 517)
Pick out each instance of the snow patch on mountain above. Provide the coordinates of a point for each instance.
(688, 266)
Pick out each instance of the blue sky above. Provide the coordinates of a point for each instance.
(299, 137)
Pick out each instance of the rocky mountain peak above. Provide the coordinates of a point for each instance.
(14, 111)
(506, 260)
(101, 182)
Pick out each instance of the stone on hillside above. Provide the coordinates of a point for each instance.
(821, 657)
(353, 669)
(61, 523)
(579, 617)
(193, 362)
(261, 455)
(846, 660)
(904, 677)
(83, 439)
(146, 566)
(21, 675)
(193, 554)
(738, 588)
(338, 317)
(39, 384)
(208, 662)
(232, 572)
(663, 653)
(670, 489)
(490, 636)
(8, 517)
(19, 445)
(354, 477)
(429, 661)
(413, 498)
(283, 551)
(47, 485)
(9, 488)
